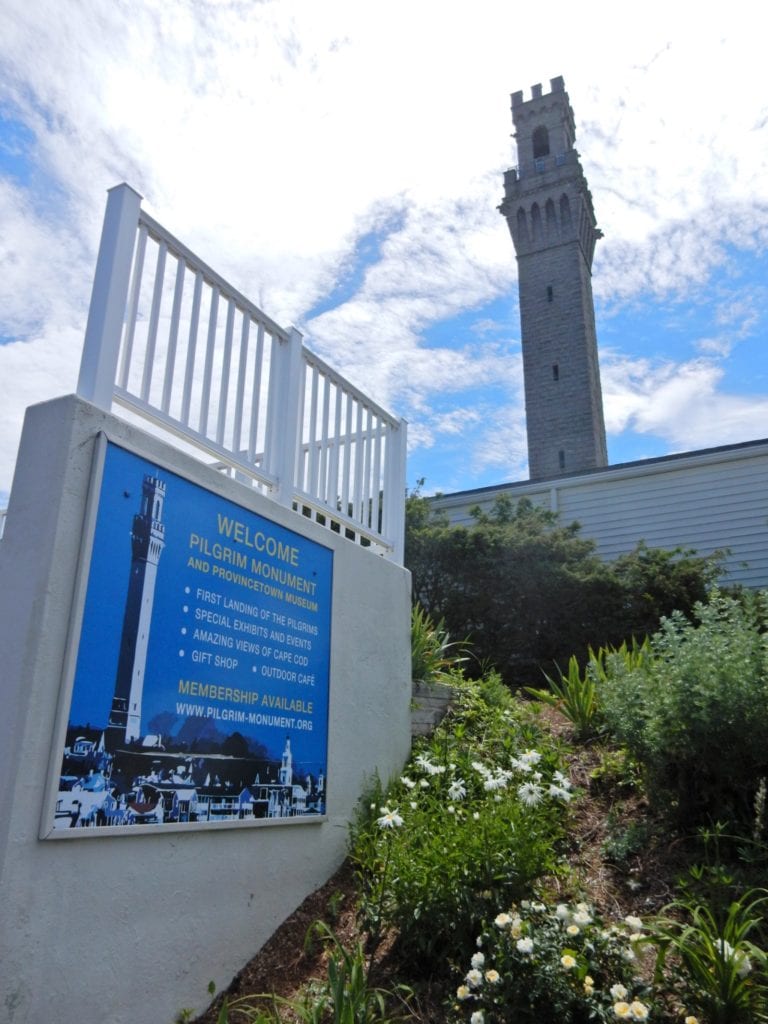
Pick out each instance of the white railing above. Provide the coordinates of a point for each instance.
(171, 341)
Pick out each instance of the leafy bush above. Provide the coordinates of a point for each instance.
(528, 591)
(695, 713)
(472, 822)
(554, 966)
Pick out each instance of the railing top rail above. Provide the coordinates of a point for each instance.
(159, 233)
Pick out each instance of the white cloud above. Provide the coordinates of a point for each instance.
(679, 402)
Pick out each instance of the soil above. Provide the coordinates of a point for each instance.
(640, 881)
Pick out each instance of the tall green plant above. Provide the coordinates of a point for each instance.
(433, 654)
(575, 694)
(344, 997)
(714, 967)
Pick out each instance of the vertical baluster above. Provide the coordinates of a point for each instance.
(258, 366)
(242, 366)
(359, 457)
(154, 319)
(345, 476)
(225, 365)
(367, 494)
(322, 491)
(333, 462)
(205, 399)
(173, 337)
(312, 436)
(189, 373)
(132, 311)
(376, 477)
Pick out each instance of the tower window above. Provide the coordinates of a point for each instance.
(550, 293)
(540, 142)
(555, 371)
(561, 458)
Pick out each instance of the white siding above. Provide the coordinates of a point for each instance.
(708, 500)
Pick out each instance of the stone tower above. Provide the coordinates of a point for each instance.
(147, 543)
(549, 211)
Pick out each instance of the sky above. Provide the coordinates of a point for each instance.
(341, 163)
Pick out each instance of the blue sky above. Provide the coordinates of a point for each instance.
(341, 164)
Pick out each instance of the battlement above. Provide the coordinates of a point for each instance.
(555, 84)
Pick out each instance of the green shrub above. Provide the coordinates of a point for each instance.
(695, 713)
(560, 965)
(473, 821)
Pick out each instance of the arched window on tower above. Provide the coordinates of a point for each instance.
(551, 219)
(522, 225)
(540, 142)
(565, 213)
(536, 232)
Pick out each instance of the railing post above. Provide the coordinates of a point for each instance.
(98, 366)
(284, 415)
(394, 490)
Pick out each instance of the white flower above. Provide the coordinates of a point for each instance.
(524, 945)
(424, 784)
(635, 924)
(389, 819)
(530, 757)
(573, 929)
(743, 964)
(622, 1010)
(581, 917)
(530, 793)
(492, 977)
(474, 978)
(567, 961)
(451, 809)
(457, 790)
(502, 920)
(477, 1017)
(408, 783)
(462, 992)
(428, 766)
(639, 1010)
(498, 780)
(478, 959)
(561, 780)
(414, 805)
(560, 793)
(476, 816)
(618, 992)
(562, 912)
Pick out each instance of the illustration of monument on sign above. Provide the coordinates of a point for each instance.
(147, 542)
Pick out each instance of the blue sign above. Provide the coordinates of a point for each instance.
(200, 691)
